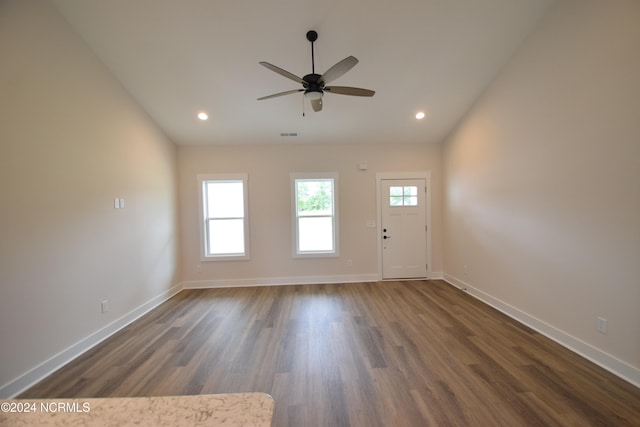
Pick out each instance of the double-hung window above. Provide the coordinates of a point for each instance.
(315, 214)
(224, 225)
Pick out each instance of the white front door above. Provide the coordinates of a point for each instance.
(403, 227)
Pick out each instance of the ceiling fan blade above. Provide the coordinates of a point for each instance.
(339, 69)
(275, 95)
(316, 104)
(346, 90)
(282, 72)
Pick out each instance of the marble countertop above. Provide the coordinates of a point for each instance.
(224, 410)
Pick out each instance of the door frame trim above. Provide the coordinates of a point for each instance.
(380, 176)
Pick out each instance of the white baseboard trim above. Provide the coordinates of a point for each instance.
(610, 363)
(278, 281)
(46, 368)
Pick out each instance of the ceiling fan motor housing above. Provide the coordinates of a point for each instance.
(313, 83)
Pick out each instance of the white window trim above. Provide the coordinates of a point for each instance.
(201, 219)
(294, 220)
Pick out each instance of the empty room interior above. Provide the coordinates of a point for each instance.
(214, 198)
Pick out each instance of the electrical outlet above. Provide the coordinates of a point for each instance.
(349, 263)
(465, 270)
(104, 306)
(601, 325)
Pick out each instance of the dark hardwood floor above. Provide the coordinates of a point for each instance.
(418, 353)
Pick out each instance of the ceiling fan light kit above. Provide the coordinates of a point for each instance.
(312, 95)
(314, 85)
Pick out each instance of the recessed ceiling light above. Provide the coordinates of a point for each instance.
(420, 115)
(203, 116)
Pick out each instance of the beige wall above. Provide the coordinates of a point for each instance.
(542, 193)
(71, 139)
(270, 205)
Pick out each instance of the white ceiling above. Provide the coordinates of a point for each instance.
(179, 57)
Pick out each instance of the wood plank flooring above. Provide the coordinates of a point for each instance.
(418, 353)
